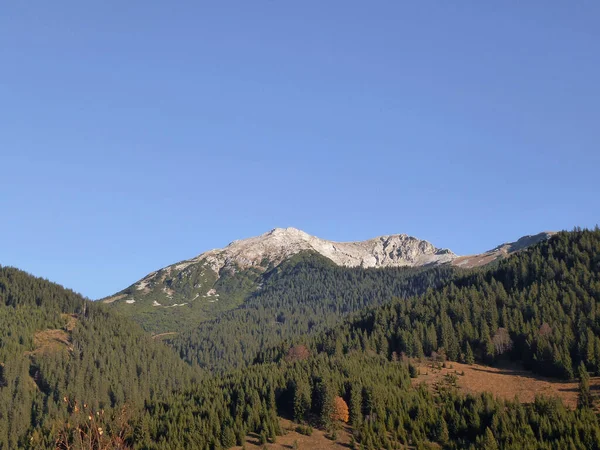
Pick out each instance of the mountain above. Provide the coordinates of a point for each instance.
(219, 280)
(307, 294)
(184, 294)
(280, 243)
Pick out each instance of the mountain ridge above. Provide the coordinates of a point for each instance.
(259, 253)
(279, 243)
(222, 279)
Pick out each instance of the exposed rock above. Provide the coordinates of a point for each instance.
(279, 244)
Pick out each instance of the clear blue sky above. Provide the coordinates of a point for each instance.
(137, 134)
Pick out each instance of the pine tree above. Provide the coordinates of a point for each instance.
(489, 441)
(440, 431)
(469, 357)
(302, 399)
(356, 405)
(584, 397)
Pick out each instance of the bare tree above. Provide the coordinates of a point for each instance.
(501, 340)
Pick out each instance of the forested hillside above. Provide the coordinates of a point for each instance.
(369, 392)
(61, 354)
(361, 364)
(304, 295)
(540, 306)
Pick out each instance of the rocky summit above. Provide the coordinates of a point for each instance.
(280, 243)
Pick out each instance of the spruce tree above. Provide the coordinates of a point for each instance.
(584, 396)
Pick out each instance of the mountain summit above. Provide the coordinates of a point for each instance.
(280, 243)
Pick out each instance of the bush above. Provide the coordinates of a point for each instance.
(262, 439)
(306, 430)
(413, 371)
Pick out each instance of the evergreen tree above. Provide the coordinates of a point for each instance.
(584, 397)
(469, 357)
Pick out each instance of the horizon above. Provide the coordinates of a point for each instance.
(137, 135)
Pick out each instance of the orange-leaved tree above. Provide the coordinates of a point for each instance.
(340, 410)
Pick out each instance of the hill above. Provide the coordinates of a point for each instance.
(304, 295)
(61, 354)
(538, 307)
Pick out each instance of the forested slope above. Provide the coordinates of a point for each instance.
(369, 391)
(304, 295)
(60, 353)
(540, 306)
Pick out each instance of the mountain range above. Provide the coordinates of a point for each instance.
(219, 280)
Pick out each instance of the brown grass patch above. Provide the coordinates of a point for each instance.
(316, 441)
(507, 382)
(51, 341)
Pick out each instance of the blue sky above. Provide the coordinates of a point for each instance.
(137, 134)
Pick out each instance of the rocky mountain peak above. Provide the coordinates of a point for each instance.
(280, 243)
(289, 231)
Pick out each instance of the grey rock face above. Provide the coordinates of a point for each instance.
(281, 243)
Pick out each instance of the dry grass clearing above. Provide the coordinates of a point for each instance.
(51, 341)
(508, 382)
(317, 440)
(468, 262)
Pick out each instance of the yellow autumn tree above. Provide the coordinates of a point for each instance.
(340, 410)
